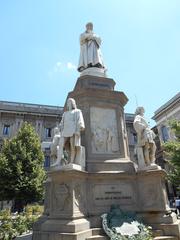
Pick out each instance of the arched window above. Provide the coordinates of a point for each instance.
(47, 162)
(6, 130)
(165, 134)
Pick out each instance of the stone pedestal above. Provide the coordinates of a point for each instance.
(65, 207)
(143, 193)
(76, 199)
(105, 135)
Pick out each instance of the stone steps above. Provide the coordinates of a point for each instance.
(27, 236)
(98, 234)
(97, 237)
(98, 231)
(165, 238)
(101, 237)
(157, 233)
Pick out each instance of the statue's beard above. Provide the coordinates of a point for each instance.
(89, 31)
(69, 108)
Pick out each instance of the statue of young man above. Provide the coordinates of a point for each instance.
(70, 127)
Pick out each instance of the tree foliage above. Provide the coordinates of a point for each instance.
(21, 167)
(172, 151)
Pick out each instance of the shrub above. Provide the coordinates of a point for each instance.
(12, 225)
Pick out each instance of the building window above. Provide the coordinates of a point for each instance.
(6, 130)
(19, 125)
(47, 149)
(132, 138)
(48, 132)
(39, 126)
(165, 134)
(47, 161)
(135, 138)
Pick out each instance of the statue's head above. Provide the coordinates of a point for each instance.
(71, 104)
(89, 27)
(56, 130)
(139, 111)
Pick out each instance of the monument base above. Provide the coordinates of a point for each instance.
(75, 201)
(53, 229)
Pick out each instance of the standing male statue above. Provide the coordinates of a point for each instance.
(70, 127)
(90, 54)
(145, 138)
(55, 144)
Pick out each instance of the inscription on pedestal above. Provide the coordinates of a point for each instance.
(107, 194)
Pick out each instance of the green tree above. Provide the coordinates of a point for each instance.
(21, 168)
(172, 150)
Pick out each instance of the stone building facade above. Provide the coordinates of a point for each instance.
(168, 111)
(43, 117)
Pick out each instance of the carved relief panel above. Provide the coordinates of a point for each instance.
(61, 197)
(104, 136)
(79, 197)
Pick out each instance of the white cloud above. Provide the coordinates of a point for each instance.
(57, 67)
(71, 65)
(60, 67)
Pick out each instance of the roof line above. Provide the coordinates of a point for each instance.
(30, 104)
(173, 99)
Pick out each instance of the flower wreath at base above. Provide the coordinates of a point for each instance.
(120, 225)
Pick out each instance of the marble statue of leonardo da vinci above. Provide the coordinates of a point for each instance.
(90, 54)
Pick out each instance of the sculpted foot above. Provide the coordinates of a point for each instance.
(55, 164)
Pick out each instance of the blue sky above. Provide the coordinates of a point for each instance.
(39, 48)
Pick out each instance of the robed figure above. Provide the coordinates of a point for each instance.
(90, 53)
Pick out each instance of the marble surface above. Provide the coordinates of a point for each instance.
(93, 71)
(66, 146)
(90, 53)
(146, 146)
(70, 166)
(104, 130)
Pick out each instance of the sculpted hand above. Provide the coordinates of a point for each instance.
(77, 134)
(89, 38)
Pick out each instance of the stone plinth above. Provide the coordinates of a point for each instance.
(65, 207)
(135, 192)
(67, 194)
(95, 83)
(105, 134)
(93, 71)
